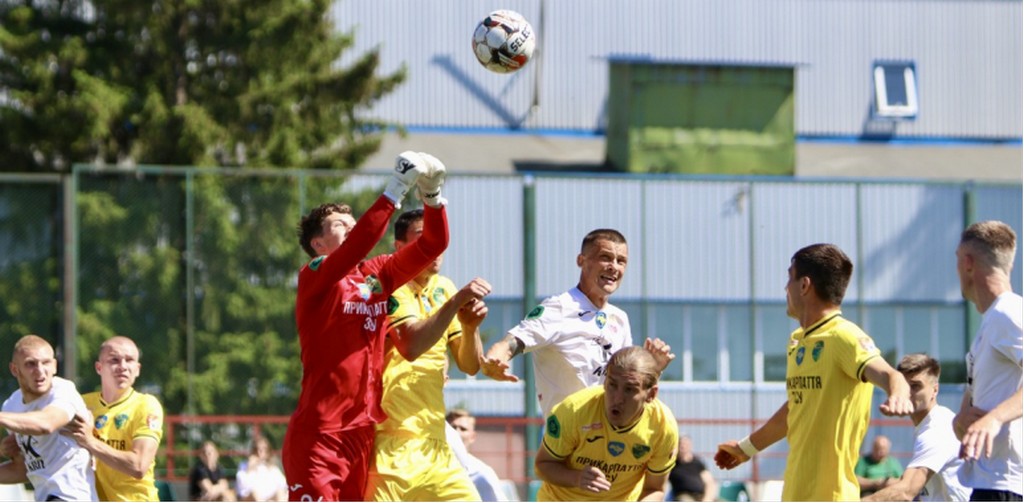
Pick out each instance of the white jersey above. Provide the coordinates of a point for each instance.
(937, 449)
(571, 341)
(483, 476)
(995, 365)
(57, 466)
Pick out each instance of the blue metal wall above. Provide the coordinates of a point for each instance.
(968, 56)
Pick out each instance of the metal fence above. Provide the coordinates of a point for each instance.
(707, 255)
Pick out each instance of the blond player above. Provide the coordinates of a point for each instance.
(412, 460)
(127, 429)
(615, 442)
(829, 365)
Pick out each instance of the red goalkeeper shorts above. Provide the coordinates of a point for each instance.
(327, 466)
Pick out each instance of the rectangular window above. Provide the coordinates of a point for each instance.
(895, 89)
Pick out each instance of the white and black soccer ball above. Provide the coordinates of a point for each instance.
(504, 41)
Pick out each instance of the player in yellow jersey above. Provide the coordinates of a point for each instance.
(615, 442)
(830, 367)
(412, 459)
(127, 429)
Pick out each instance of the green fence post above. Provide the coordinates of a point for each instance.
(529, 298)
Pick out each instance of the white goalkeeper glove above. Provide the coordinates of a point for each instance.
(409, 167)
(429, 184)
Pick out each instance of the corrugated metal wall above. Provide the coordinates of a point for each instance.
(721, 239)
(968, 55)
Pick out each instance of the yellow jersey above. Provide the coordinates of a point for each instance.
(413, 391)
(829, 409)
(136, 415)
(578, 431)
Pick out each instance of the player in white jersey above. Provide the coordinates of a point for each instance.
(989, 421)
(931, 474)
(572, 335)
(57, 467)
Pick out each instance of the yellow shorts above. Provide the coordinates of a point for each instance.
(421, 469)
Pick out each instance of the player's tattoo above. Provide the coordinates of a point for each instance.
(515, 346)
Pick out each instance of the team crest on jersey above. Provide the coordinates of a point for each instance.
(616, 448)
(601, 319)
(816, 352)
(154, 422)
(374, 284)
(439, 295)
(364, 291)
(537, 311)
(315, 263)
(101, 422)
(867, 344)
(554, 429)
(800, 355)
(392, 305)
(119, 420)
(640, 450)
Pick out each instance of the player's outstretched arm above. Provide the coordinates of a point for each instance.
(468, 350)
(733, 453)
(495, 364)
(881, 374)
(415, 338)
(906, 488)
(38, 422)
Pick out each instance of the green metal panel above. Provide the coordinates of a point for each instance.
(684, 118)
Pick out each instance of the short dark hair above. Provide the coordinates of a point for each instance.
(828, 268)
(312, 225)
(919, 362)
(457, 413)
(404, 221)
(609, 234)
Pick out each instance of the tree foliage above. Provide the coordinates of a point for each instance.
(226, 82)
(199, 269)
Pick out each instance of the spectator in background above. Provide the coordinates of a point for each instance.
(690, 479)
(461, 433)
(206, 481)
(877, 469)
(259, 478)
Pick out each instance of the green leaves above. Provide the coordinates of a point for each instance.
(251, 83)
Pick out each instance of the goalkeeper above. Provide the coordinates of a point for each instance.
(339, 311)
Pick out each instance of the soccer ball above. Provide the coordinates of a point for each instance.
(504, 41)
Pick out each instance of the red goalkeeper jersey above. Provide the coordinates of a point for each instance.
(340, 312)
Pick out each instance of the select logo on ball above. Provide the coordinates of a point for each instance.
(503, 42)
